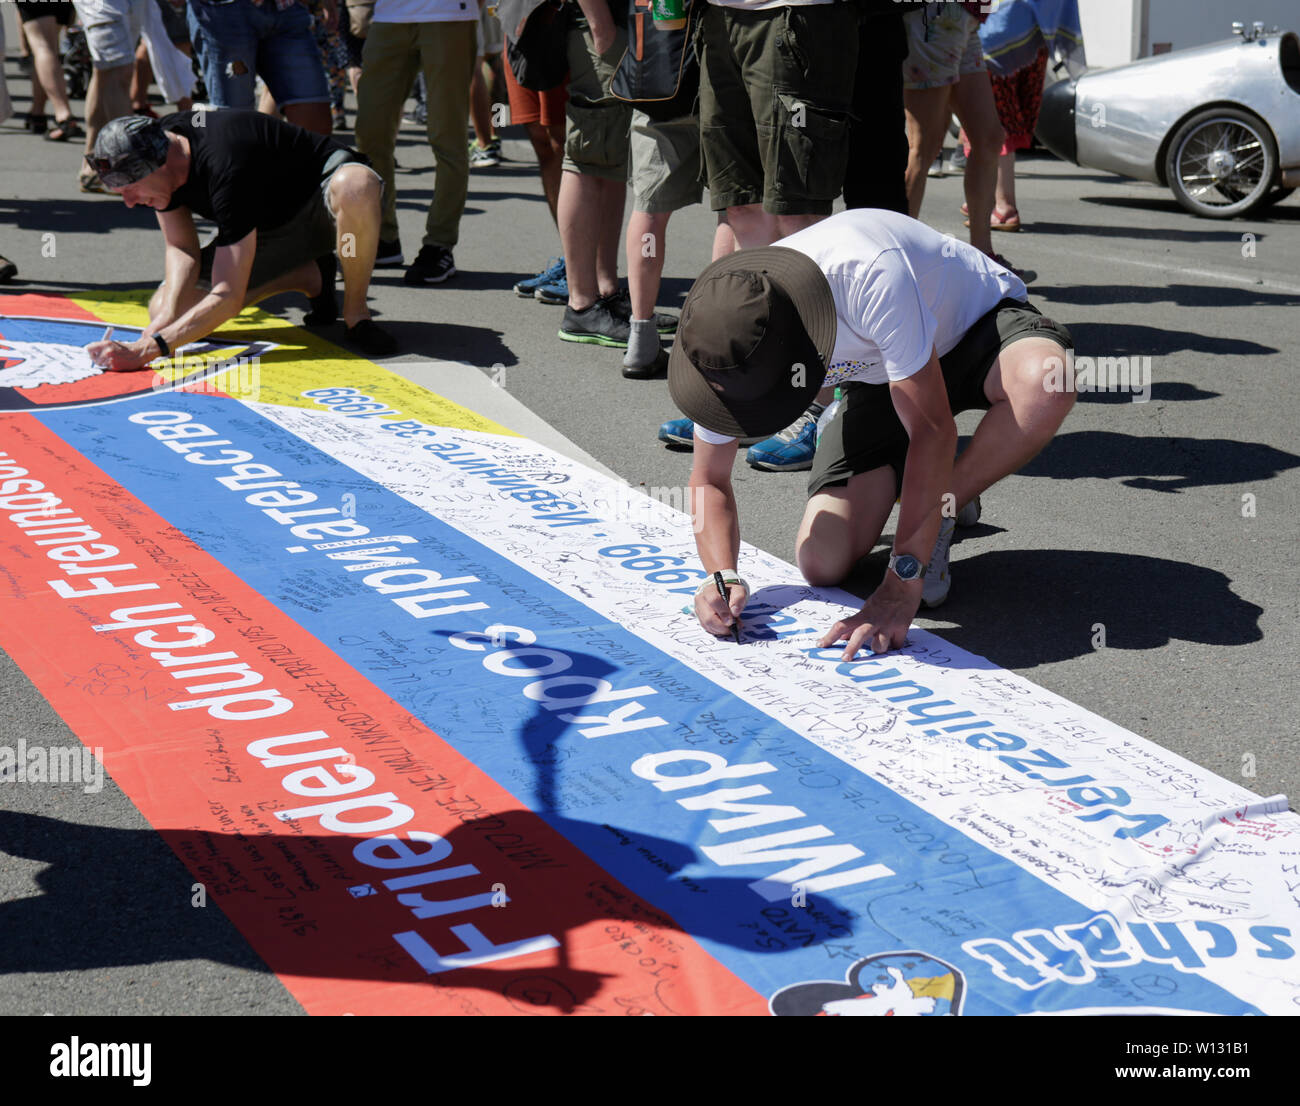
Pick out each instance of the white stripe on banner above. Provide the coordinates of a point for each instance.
(1104, 816)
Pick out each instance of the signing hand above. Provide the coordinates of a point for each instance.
(120, 357)
(882, 623)
(716, 616)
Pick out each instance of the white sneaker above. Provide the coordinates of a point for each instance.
(970, 514)
(938, 580)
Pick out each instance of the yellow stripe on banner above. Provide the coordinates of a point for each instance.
(299, 361)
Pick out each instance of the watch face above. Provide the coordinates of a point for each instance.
(907, 567)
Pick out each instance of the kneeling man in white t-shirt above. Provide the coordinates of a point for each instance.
(913, 326)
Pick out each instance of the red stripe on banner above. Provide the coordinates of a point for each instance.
(214, 711)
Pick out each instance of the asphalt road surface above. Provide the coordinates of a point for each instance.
(1171, 523)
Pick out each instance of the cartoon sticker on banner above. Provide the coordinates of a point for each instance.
(887, 985)
(44, 365)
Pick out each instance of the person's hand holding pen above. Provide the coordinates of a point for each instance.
(121, 356)
(719, 602)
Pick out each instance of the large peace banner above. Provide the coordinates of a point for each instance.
(418, 704)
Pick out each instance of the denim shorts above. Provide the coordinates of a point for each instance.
(236, 41)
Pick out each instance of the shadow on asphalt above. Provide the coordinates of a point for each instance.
(1143, 602)
(1134, 340)
(1170, 391)
(1183, 295)
(92, 215)
(1286, 212)
(1164, 234)
(1158, 464)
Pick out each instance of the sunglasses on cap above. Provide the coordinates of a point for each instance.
(120, 171)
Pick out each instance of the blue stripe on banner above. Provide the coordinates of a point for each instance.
(691, 797)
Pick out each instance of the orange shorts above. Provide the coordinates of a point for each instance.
(527, 106)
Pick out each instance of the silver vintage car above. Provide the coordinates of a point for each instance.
(1219, 125)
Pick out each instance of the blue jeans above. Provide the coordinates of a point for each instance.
(237, 41)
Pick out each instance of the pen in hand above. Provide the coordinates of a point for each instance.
(722, 591)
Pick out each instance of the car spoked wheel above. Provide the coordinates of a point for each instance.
(1222, 163)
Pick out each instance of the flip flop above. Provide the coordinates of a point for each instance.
(1012, 224)
(89, 182)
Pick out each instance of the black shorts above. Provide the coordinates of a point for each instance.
(866, 433)
(310, 234)
(63, 13)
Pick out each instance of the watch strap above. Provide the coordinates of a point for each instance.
(162, 345)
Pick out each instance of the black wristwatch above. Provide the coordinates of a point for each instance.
(162, 345)
(906, 567)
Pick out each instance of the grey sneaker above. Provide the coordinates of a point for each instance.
(970, 514)
(938, 580)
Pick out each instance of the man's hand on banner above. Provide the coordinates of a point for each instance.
(883, 622)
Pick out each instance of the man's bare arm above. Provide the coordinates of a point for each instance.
(922, 405)
(717, 532)
(180, 267)
(230, 269)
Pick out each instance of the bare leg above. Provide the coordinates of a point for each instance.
(927, 111)
(1006, 192)
(789, 224)
(480, 107)
(356, 194)
(311, 117)
(588, 256)
(43, 37)
(842, 525)
(141, 78)
(1023, 419)
(724, 238)
(109, 97)
(645, 260)
(548, 145)
(752, 226)
(973, 102)
(304, 279)
(613, 196)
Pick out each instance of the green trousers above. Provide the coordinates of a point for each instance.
(445, 54)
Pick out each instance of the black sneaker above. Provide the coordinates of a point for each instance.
(324, 306)
(620, 303)
(369, 337)
(433, 265)
(390, 253)
(597, 325)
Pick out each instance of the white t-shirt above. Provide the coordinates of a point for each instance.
(901, 289)
(425, 11)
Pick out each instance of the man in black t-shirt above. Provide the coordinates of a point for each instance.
(283, 200)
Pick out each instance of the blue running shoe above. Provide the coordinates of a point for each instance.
(678, 432)
(682, 432)
(790, 450)
(555, 291)
(554, 271)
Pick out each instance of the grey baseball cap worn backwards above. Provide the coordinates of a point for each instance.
(127, 150)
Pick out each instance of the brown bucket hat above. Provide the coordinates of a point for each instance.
(756, 335)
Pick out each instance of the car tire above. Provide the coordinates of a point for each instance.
(1222, 163)
(1275, 197)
